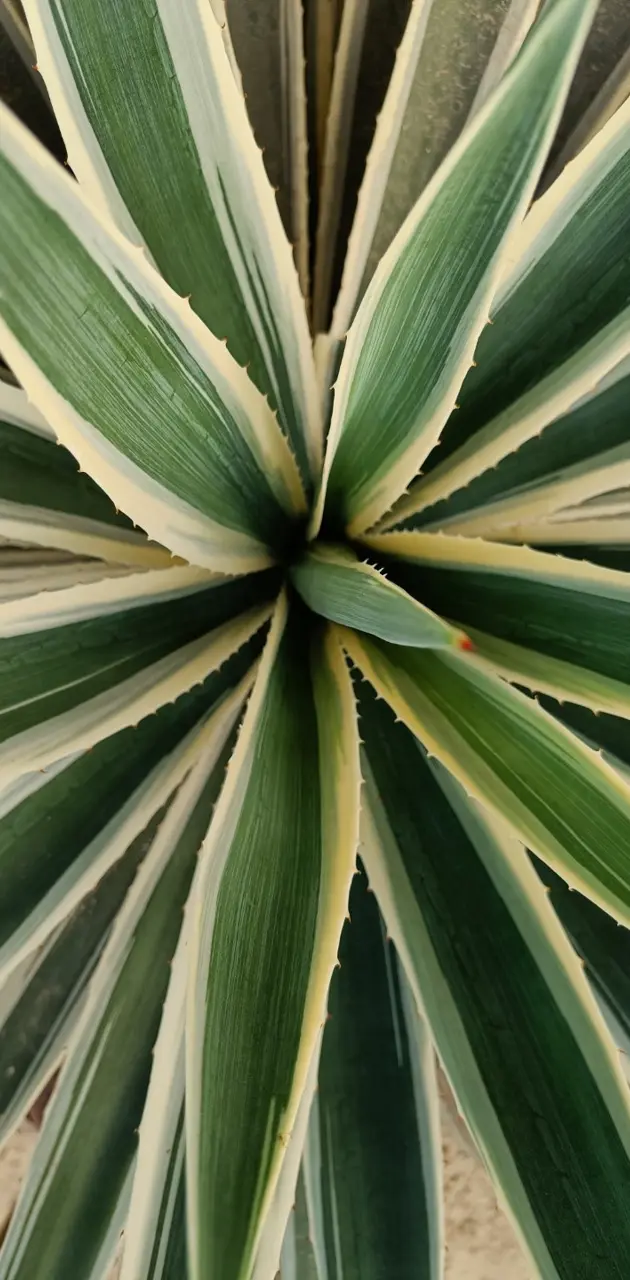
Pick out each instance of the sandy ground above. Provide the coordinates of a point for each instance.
(480, 1241)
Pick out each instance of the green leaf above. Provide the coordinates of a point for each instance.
(595, 424)
(335, 584)
(153, 406)
(525, 1049)
(567, 278)
(35, 1027)
(44, 498)
(268, 42)
(88, 1142)
(452, 55)
(99, 656)
(602, 945)
(287, 826)
(297, 1261)
(155, 1235)
(373, 1161)
(519, 424)
(546, 622)
(553, 791)
(60, 831)
(156, 126)
(415, 332)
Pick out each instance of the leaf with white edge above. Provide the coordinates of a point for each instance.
(155, 1237)
(374, 1139)
(567, 277)
(533, 1069)
(334, 583)
(595, 424)
(71, 684)
(156, 124)
(480, 457)
(287, 825)
(89, 1139)
(452, 55)
(35, 1029)
(45, 498)
(62, 830)
(414, 335)
(268, 41)
(555, 793)
(365, 54)
(602, 945)
(152, 405)
(548, 622)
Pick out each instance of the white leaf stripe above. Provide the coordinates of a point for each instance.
(562, 680)
(203, 106)
(16, 408)
(587, 490)
(198, 394)
(456, 552)
(94, 599)
(37, 526)
(128, 702)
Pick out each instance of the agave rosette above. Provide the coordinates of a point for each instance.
(254, 626)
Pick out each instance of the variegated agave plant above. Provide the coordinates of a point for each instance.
(262, 629)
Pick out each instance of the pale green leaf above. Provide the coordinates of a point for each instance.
(336, 585)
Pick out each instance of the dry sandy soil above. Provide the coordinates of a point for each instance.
(480, 1242)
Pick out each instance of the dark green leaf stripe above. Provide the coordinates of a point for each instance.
(156, 133)
(39, 1023)
(375, 1208)
(36, 472)
(588, 628)
(412, 339)
(335, 584)
(506, 1026)
(57, 669)
(44, 833)
(554, 793)
(602, 944)
(91, 1128)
